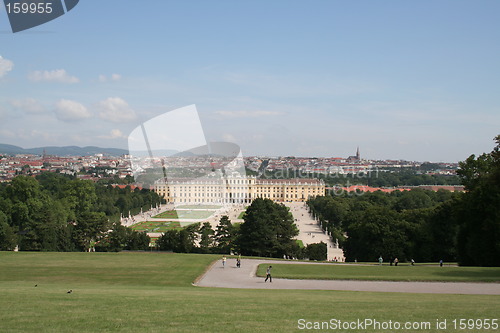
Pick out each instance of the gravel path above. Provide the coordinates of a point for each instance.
(244, 277)
(311, 232)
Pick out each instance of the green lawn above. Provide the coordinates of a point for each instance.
(169, 214)
(242, 215)
(152, 292)
(184, 214)
(387, 273)
(156, 226)
(212, 207)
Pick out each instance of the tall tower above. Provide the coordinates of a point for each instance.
(357, 154)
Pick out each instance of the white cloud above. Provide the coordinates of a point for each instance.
(28, 105)
(30, 135)
(45, 135)
(113, 77)
(67, 110)
(248, 114)
(114, 134)
(116, 110)
(5, 66)
(58, 75)
(229, 137)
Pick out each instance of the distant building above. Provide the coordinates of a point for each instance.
(237, 190)
(355, 158)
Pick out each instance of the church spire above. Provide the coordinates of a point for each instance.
(357, 154)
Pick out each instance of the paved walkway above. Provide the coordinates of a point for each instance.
(311, 232)
(244, 277)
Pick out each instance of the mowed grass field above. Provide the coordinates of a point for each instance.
(156, 226)
(383, 273)
(185, 214)
(152, 292)
(212, 207)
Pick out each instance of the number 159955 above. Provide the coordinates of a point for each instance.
(475, 324)
(29, 8)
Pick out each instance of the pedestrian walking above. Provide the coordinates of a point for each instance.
(441, 263)
(396, 261)
(413, 262)
(224, 261)
(380, 260)
(268, 274)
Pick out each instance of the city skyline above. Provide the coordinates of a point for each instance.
(45, 150)
(403, 81)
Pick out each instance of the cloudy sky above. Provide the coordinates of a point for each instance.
(414, 80)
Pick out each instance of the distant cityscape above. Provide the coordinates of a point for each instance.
(100, 165)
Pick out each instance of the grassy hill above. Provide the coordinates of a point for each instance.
(62, 151)
(152, 292)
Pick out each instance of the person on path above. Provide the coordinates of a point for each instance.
(396, 261)
(441, 263)
(223, 261)
(238, 261)
(380, 260)
(268, 274)
(413, 262)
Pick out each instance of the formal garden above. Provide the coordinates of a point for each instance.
(156, 226)
(185, 214)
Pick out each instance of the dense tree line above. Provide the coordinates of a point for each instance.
(422, 225)
(55, 212)
(201, 238)
(388, 178)
(400, 224)
(479, 213)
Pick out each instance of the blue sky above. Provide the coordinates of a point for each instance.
(414, 80)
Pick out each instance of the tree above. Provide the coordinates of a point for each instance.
(378, 232)
(23, 188)
(116, 240)
(138, 241)
(169, 240)
(413, 199)
(55, 212)
(224, 235)
(54, 183)
(268, 230)
(89, 227)
(180, 241)
(317, 251)
(332, 213)
(187, 238)
(206, 237)
(479, 216)
(8, 240)
(80, 195)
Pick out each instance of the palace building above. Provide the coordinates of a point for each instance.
(223, 190)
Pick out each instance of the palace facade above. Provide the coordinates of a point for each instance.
(221, 190)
